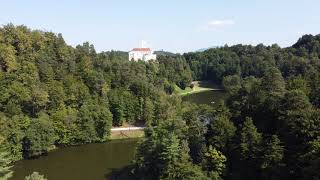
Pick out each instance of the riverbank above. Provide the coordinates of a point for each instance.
(127, 132)
(198, 86)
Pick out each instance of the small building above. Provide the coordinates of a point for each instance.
(144, 54)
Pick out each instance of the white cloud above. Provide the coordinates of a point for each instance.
(217, 24)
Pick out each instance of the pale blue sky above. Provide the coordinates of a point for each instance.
(173, 25)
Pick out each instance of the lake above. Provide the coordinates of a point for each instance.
(85, 162)
(205, 97)
(94, 161)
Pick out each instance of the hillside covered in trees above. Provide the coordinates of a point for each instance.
(267, 128)
(52, 94)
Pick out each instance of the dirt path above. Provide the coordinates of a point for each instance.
(127, 128)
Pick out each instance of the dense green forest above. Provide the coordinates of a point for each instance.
(267, 128)
(52, 94)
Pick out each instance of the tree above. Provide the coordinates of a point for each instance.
(250, 148)
(232, 84)
(250, 140)
(35, 176)
(64, 124)
(5, 172)
(299, 121)
(310, 161)
(8, 61)
(186, 171)
(116, 107)
(39, 99)
(117, 111)
(103, 123)
(193, 117)
(56, 95)
(39, 136)
(85, 124)
(215, 162)
(273, 82)
(272, 158)
(148, 112)
(298, 83)
(220, 132)
(159, 153)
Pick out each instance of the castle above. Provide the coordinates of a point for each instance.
(144, 54)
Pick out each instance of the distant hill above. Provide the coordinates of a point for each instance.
(204, 49)
(164, 53)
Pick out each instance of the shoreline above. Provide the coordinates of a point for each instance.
(198, 87)
(126, 132)
(199, 91)
(119, 135)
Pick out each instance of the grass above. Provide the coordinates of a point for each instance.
(126, 134)
(180, 91)
(198, 86)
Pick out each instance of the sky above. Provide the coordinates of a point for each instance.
(171, 25)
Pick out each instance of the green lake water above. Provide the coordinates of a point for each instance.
(206, 97)
(85, 162)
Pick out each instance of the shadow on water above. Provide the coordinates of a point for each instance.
(209, 84)
(124, 173)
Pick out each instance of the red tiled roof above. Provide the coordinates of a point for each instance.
(141, 49)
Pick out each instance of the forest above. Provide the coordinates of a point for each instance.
(53, 94)
(267, 128)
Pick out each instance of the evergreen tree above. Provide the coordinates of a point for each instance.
(220, 132)
(250, 148)
(215, 162)
(272, 158)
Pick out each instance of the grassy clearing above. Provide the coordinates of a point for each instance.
(180, 91)
(198, 86)
(126, 134)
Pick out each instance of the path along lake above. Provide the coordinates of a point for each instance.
(94, 161)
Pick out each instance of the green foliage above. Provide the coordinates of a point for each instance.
(35, 176)
(64, 124)
(250, 140)
(158, 153)
(187, 171)
(299, 120)
(278, 88)
(310, 161)
(273, 153)
(220, 132)
(273, 82)
(215, 161)
(8, 61)
(5, 172)
(176, 70)
(39, 136)
(54, 94)
(232, 83)
(196, 131)
(298, 83)
(82, 92)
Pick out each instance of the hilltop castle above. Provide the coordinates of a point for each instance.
(144, 54)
